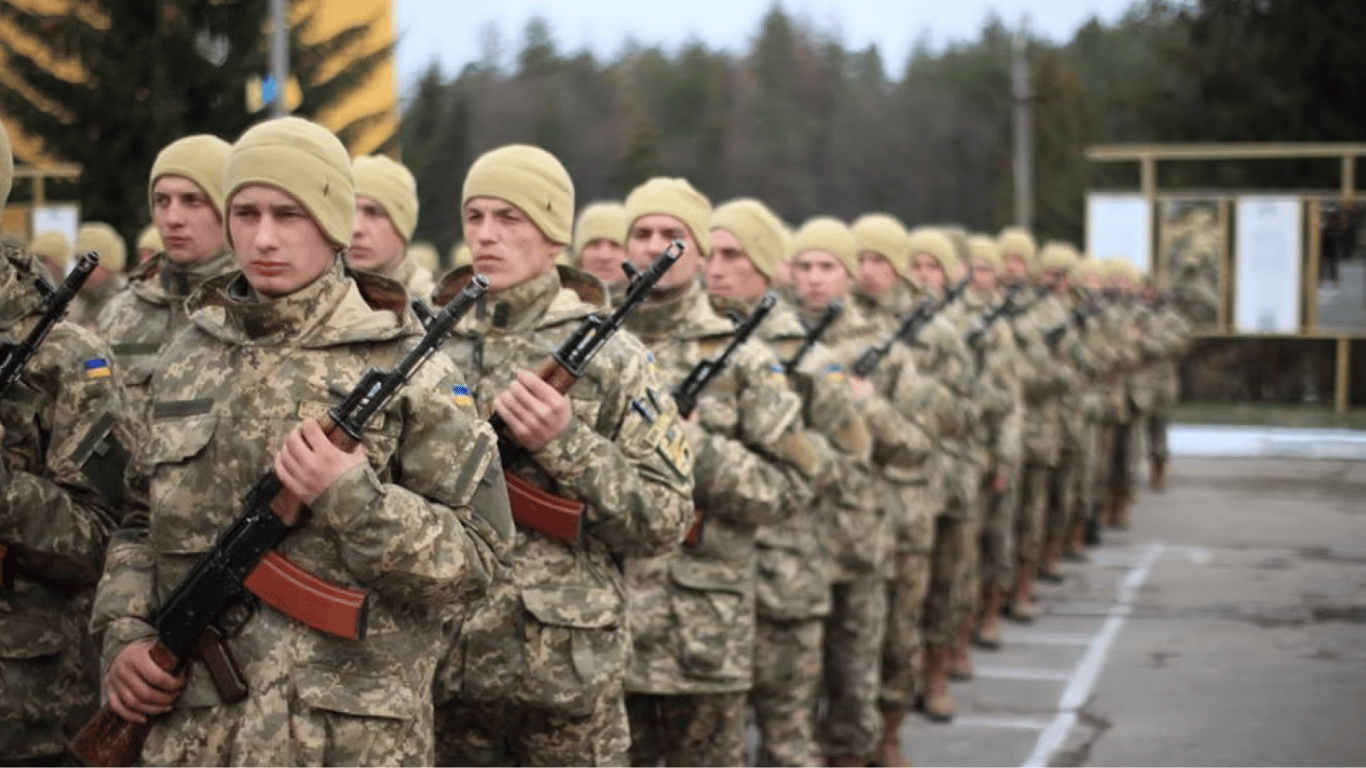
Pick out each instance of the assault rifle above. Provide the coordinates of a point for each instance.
(1077, 317)
(541, 511)
(686, 393)
(919, 317)
(244, 559)
(989, 318)
(14, 355)
(813, 335)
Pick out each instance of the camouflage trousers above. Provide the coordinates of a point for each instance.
(1115, 457)
(687, 729)
(903, 650)
(851, 722)
(954, 581)
(47, 692)
(497, 733)
(787, 676)
(1155, 422)
(1034, 513)
(999, 514)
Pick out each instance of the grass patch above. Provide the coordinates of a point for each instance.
(1267, 414)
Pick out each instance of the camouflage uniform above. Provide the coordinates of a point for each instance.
(416, 278)
(537, 669)
(1172, 335)
(1112, 476)
(140, 321)
(92, 300)
(60, 475)
(225, 394)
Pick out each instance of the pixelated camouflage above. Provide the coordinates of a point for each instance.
(92, 299)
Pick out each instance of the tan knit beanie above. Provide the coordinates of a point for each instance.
(53, 246)
(461, 255)
(934, 242)
(424, 253)
(759, 231)
(884, 234)
(102, 239)
(6, 166)
(1083, 267)
(150, 239)
(1019, 241)
(826, 233)
(303, 159)
(600, 221)
(1056, 254)
(199, 158)
(531, 179)
(984, 247)
(672, 197)
(392, 186)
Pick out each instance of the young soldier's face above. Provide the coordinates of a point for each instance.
(602, 259)
(819, 278)
(190, 228)
(1016, 269)
(983, 276)
(875, 273)
(507, 247)
(375, 245)
(1057, 278)
(650, 235)
(730, 272)
(279, 246)
(928, 273)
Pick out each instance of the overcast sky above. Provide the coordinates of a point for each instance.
(449, 30)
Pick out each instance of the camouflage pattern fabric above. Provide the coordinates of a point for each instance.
(903, 651)
(851, 723)
(697, 729)
(92, 299)
(224, 396)
(787, 664)
(478, 734)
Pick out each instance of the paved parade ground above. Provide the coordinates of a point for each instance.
(1228, 627)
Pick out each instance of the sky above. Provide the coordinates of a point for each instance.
(450, 31)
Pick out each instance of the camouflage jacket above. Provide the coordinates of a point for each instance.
(553, 633)
(60, 475)
(92, 300)
(419, 527)
(1049, 375)
(1157, 384)
(692, 612)
(1003, 367)
(140, 320)
(414, 277)
(885, 310)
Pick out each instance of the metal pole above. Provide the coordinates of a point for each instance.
(279, 55)
(1019, 85)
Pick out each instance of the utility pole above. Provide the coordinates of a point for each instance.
(279, 55)
(1019, 86)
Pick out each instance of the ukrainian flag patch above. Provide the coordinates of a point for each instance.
(834, 372)
(776, 372)
(460, 395)
(97, 368)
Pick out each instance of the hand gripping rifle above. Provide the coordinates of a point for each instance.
(911, 325)
(14, 355)
(813, 335)
(1005, 308)
(539, 510)
(244, 559)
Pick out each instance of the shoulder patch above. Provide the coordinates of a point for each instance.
(460, 395)
(834, 372)
(776, 372)
(96, 368)
(674, 449)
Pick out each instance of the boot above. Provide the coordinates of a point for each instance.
(989, 618)
(889, 746)
(1091, 529)
(938, 700)
(1048, 559)
(960, 663)
(1157, 478)
(1021, 608)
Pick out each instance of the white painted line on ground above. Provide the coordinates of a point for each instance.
(1021, 673)
(1084, 677)
(1032, 638)
(1017, 723)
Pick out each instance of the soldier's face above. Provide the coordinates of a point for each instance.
(190, 228)
(819, 278)
(507, 247)
(875, 273)
(279, 246)
(602, 259)
(1058, 278)
(927, 272)
(983, 276)
(1016, 269)
(650, 235)
(730, 272)
(375, 245)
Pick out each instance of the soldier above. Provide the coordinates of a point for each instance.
(386, 215)
(883, 291)
(538, 666)
(108, 278)
(53, 251)
(186, 195)
(792, 589)
(424, 253)
(416, 515)
(692, 613)
(598, 242)
(61, 472)
(1173, 334)
(149, 242)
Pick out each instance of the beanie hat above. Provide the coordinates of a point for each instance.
(825, 233)
(883, 233)
(1087, 268)
(150, 238)
(1056, 254)
(392, 186)
(600, 221)
(531, 179)
(303, 159)
(672, 197)
(1019, 241)
(461, 255)
(934, 242)
(53, 246)
(984, 247)
(6, 166)
(200, 159)
(760, 233)
(424, 253)
(102, 239)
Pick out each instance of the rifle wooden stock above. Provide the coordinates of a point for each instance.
(544, 512)
(107, 739)
(6, 568)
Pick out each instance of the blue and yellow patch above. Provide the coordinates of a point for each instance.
(776, 372)
(460, 395)
(834, 372)
(97, 368)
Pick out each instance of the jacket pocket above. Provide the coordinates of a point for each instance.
(714, 618)
(362, 695)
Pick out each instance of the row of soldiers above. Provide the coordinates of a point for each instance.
(813, 545)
